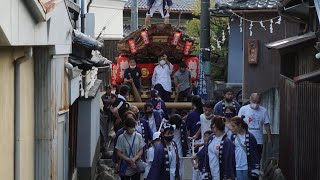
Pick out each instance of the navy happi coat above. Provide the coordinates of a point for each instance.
(253, 157)
(227, 162)
(160, 168)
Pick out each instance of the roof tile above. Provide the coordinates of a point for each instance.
(247, 4)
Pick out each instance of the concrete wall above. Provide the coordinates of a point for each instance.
(7, 114)
(235, 58)
(89, 123)
(20, 28)
(108, 13)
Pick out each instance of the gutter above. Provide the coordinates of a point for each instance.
(17, 107)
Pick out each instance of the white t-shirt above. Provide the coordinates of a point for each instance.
(213, 152)
(255, 120)
(152, 124)
(172, 162)
(241, 156)
(177, 139)
(138, 127)
(149, 160)
(162, 75)
(205, 125)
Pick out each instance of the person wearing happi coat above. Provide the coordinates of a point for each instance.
(165, 164)
(180, 137)
(219, 155)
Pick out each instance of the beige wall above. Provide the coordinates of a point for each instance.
(27, 121)
(7, 114)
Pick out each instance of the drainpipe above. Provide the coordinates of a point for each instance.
(17, 106)
(82, 16)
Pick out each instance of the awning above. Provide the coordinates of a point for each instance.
(292, 41)
(317, 5)
(312, 77)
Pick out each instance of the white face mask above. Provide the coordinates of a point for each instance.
(132, 67)
(162, 62)
(254, 105)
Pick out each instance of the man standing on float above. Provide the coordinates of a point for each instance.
(161, 78)
(160, 6)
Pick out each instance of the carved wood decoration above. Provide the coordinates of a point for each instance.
(160, 40)
(253, 48)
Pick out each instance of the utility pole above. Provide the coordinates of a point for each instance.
(205, 45)
(205, 36)
(134, 15)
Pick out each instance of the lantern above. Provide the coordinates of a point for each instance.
(114, 71)
(132, 46)
(144, 35)
(176, 38)
(122, 65)
(193, 66)
(187, 48)
(146, 70)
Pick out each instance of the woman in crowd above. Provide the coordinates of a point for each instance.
(180, 137)
(129, 149)
(142, 126)
(247, 158)
(219, 154)
(166, 156)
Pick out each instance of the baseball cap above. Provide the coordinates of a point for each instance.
(156, 135)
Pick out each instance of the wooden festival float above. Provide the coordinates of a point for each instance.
(145, 45)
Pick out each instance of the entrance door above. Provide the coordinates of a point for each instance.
(63, 146)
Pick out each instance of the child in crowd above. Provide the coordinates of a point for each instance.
(150, 152)
(199, 159)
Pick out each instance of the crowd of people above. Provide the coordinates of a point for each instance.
(223, 140)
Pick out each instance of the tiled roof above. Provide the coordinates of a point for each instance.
(178, 5)
(247, 4)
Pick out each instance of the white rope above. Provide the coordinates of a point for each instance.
(253, 20)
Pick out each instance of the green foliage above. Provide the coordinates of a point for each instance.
(217, 26)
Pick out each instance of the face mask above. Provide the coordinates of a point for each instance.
(254, 106)
(162, 62)
(168, 138)
(229, 115)
(149, 113)
(131, 130)
(228, 100)
(132, 67)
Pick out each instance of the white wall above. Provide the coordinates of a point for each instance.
(108, 13)
(20, 28)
